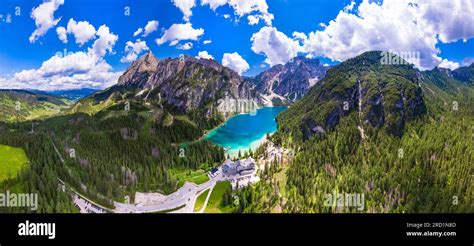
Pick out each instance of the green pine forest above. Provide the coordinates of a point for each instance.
(116, 154)
(427, 168)
(415, 153)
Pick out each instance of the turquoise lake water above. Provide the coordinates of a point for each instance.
(245, 131)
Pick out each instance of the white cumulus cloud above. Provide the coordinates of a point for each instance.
(253, 20)
(300, 36)
(204, 55)
(62, 34)
(275, 45)
(179, 32)
(138, 32)
(150, 27)
(132, 50)
(185, 6)
(43, 15)
(410, 26)
(82, 31)
(452, 20)
(185, 46)
(72, 70)
(104, 43)
(449, 64)
(235, 62)
(256, 9)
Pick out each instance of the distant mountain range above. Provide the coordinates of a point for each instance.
(20, 105)
(346, 126)
(74, 94)
(184, 83)
(188, 84)
(37, 104)
(291, 81)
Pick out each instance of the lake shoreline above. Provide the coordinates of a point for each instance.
(244, 131)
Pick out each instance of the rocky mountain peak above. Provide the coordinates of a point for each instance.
(465, 74)
(371, 94)
(184, 83)
(149, 56)
(446, 71)
(292, 80)
(140, 70)
(147, 62)
(303, 60)
(148, 71)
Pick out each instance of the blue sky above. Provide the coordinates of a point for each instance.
(329, 30)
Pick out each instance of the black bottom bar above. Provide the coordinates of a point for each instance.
(160, 229)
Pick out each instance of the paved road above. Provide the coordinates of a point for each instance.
(82, 203)
(186, 195)
(206, 201)
(86, 207)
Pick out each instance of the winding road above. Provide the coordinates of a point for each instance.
(185, 195)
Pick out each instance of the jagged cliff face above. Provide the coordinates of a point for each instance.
(188, 83)
(373, 94)
(441, 77)
(292, 80)
(185, 83)
(140, 72)
(449, 81)
(465, 74)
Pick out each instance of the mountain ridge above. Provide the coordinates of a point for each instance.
(291, 80)
(377, 95)
(22, 105)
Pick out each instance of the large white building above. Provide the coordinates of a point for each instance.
(241, 167)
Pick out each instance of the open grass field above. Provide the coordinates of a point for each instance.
(200, 201)
(29, 110)
(197, 177)
(12, 160)
(214, 203)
